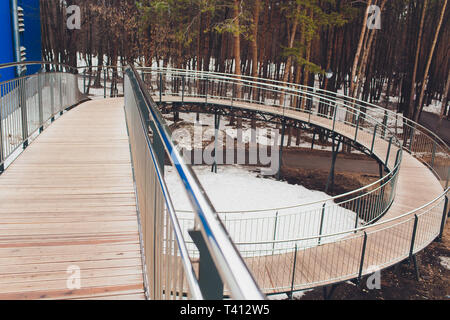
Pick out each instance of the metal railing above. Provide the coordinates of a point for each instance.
(29, 102)
(164, 243)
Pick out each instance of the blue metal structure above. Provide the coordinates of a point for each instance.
(6, 41)
(20, 36)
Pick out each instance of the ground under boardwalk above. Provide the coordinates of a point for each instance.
(68, 201)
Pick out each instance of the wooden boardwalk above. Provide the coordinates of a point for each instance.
(68, 201)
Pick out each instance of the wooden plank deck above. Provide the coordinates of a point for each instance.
(69, 200)
(340, 261)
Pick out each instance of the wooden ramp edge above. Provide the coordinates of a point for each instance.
(68, 208)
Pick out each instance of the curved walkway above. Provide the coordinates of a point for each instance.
(340, 261)
(68, 201)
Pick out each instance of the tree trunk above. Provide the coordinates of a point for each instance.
(444, 103)
(427, 69)
(416, 63)
(254, 44)
(358, 50)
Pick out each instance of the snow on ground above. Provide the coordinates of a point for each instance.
(97, 93)
(283, 296)
(237, 193)
(445, 262)
(435, 107)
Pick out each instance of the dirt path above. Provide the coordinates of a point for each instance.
(319, 160)
(431, 120)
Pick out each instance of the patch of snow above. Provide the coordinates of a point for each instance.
(435, 107)
(445, 262)
(237, 193)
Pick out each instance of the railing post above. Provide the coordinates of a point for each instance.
(321, 222)
(413, 129)
(293, 273)
(105, 70)
(209, 279)
(183, 87)
(373, 139)
(275, 232)
(160, 87)
(358, 208)
(280, 155)
(23, 107)
(433, 155)
(233, 92)
(388, 152)
(52, 94)
(206, 90)
(412, 257)
(216, 140)
(444, 218)
(385, 120)
(84, 81)
(413, 238)
(397, 158)
(357, 127)
(41, 107)
(363, 254)
(334, 117)
(61, 106)
(448, 177)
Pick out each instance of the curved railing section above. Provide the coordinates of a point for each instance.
(29, 102)
(279, 256)
(414, 138)
(376, 133)
(362, 206)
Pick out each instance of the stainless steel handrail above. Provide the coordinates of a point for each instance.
(193, 284)
(29, 63)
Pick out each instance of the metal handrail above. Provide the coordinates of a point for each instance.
(356, 230)
(227, 259)
(289, 87)
(295, 87)
(28, 63)
(193, 284)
